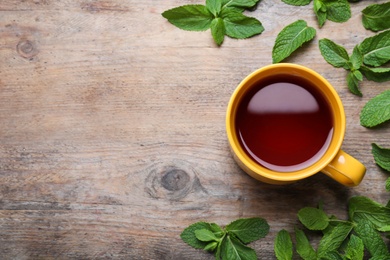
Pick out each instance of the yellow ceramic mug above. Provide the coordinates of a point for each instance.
(330, 159)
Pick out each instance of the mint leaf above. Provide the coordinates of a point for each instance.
(218, 30)
(363, 208)
(356, 59)
(384, 229)
(248, 229)
(371, 238)
(336, 55)
(240, 26)
(376, 49)
(388, 186)
(353, 84)
(303, 246)
(205, 235)
(190, 17)
(358, 75)
(216, 229)
(214, 6)
(376, 17)
(380, 257)
(332, 255)
(355, 248)
(381, 156)
(332, 240)
(297, 2)
(211, 246)
(240, 3)
(376, 74)
(188, 235)
(376, 111)
(283, 246)
(232, 248)
(313, 218)
(338, 11)
(290, 39)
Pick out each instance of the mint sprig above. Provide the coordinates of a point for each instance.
(364, 61)
(359, 235)
(338, 11)
(290, 38)
(229, 242)
(222, 17)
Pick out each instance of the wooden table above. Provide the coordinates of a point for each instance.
(112, 129)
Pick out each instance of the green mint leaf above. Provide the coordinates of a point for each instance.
(376, 49)
(211, 246)
(319, 6)
(353, 84)
(248, 229)
(381, 156)
(240, 3)
(388, 186)
(358, 75)
(313, 218)
(188, 235)
(283, 246)
(356, 59)
(214, 6)
(371, 238)
(380, 257)
(320, 11)
(218, 252)
(376, 74)
(338, 11)
(240, 26)
(376, 111)
(233, 249)
(384, 229)
(297, 2)
(218, 30)
(290, 39)
(216, 229)
(363, 208)
(227, 4)
(205, 235)
(190, 17)
(336, 55)
(332, 255)
(303, 246)
(376, 17)
(331, 241)
(355, 248)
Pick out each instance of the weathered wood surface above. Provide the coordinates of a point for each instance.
(112, 132)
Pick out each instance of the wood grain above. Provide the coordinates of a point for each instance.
(112, 132)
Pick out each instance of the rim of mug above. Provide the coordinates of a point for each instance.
(338, 114)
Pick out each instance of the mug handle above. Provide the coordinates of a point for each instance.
(345, 169)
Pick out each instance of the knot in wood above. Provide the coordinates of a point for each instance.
(175, 179)
(172, 181)
(27, 49)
